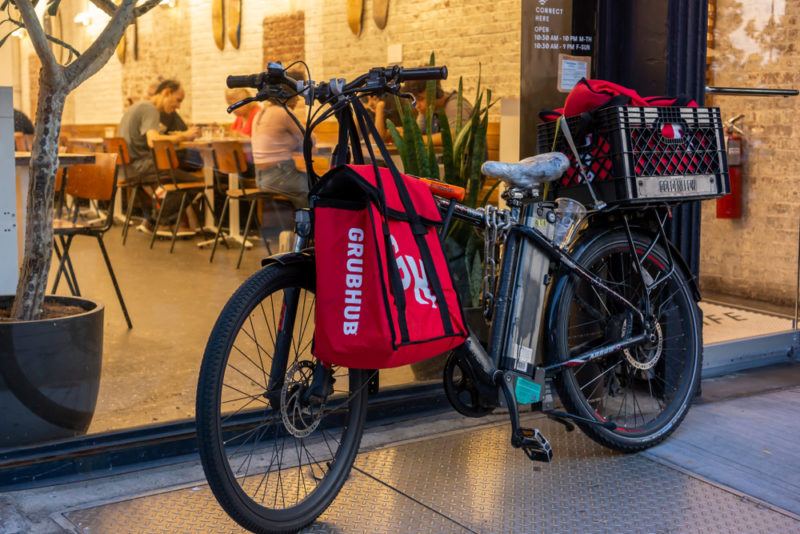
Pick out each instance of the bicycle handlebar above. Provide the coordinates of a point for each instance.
(380, 77)
(422, 73)
(248, 80)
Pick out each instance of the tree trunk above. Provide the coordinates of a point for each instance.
(34, 272)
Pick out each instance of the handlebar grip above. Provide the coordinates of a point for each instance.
(248, 80)
(422, 73)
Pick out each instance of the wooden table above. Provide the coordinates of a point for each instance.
(92, 144)
(22, 162)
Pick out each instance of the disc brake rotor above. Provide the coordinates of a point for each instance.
(299, 417)
(646, 355)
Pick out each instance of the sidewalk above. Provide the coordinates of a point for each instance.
(733, 466)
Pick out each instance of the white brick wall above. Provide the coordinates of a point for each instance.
(210, 66)
(463, 33)
(98, 100)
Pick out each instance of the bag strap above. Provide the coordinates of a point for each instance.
(393, 270)
(418, 229)
(563, 126)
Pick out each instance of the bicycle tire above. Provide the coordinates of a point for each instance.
(572, 389)
(241, 507)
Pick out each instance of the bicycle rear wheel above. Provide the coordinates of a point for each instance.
(645, 389)
(278, 432)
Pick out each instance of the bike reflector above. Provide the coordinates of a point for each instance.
(384, 293)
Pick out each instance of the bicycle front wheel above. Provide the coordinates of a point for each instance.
(646, 389)
(278, 431)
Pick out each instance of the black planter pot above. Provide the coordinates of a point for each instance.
(49, 374)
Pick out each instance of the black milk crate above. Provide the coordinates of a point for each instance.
(643, 154)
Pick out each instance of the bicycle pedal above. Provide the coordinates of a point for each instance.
(533, 444)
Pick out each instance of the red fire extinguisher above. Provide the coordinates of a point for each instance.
(730, 206)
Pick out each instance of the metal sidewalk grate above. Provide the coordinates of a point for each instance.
(476, 479)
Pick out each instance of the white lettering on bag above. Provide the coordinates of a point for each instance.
(409, 268)
(353, 281)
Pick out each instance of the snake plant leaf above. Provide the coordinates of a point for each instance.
(412, 135)
(399, 143)
(407, 119)
(460, 104)
(450, 175)
(417, 142)
(433, 165)
(478, 157)
(461, 143)
(478, 91)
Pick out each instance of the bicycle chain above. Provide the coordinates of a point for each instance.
(497, 224)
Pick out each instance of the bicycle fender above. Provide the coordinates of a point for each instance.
(289, 258)
(680, 261)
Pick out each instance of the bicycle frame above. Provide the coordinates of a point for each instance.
(518, 233)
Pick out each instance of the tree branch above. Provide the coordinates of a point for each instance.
(103, 47)
(39, 39)
(106, 6)
(49, 37)
(146, 6)
(109, 7)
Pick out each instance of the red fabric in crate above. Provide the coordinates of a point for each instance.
(589, 96)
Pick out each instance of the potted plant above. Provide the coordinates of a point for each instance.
(463, 151)
(51, 347)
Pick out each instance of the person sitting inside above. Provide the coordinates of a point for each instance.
(447, 101)
(140, 126)
(275, 139)
(245, 115)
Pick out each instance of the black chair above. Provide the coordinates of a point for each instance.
(91, 182)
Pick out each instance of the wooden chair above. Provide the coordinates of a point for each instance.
(321, 164)
(229, 159)
(96, 182)
(22, 142)
(118, 145)
(167, 165)
(327, 132)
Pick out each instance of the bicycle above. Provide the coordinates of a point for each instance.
(608, 318)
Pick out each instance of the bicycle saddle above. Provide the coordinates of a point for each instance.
(529, 172)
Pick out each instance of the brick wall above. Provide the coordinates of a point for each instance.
(463, 33)
(756, 256)
(284, 38)
(211, 66)
(178, 43)
(164, 51)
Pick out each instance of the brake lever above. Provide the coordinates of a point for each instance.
(240, 103)
(410, 97)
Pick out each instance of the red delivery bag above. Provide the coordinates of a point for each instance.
(384, 294)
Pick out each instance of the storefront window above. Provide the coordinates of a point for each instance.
(749, 259)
